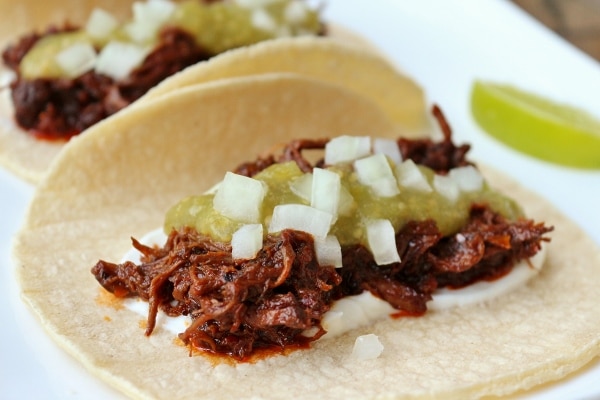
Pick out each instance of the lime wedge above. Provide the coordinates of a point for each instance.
(536, 126)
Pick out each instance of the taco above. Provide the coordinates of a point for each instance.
(58, 80)
(92, 200)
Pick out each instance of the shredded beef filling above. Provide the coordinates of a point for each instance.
(238, 307)
(440, 156)
(57, 109)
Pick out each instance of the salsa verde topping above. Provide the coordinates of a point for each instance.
(448, 203)
(215, 26)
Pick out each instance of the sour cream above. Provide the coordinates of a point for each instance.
(364, 309)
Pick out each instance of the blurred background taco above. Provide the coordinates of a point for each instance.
(67, 66)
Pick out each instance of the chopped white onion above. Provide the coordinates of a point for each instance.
(247, 241)
(295, 12)
(325, 193)
(382, 241)
(77, 59)
(385, 187)
(118, 59)
(100, 24)
(346, 205)
(141, 32)
(240, 198)
(468, 178)
(375, 171)
(263, 21)
(329, 251)
(148, 18)
(411, 177)
(302, 186)
(301, 218)
(367, 347)
(347, 148)
(389, 147)
(155, 11)
(447, 187)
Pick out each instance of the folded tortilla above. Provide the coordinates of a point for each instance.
(119, 179)
(342, 58)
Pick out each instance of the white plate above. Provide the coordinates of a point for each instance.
(444, 45)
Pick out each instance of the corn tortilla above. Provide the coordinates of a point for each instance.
(119, 179)
(331, 60)
(29, 157)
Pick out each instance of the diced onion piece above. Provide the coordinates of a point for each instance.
(142, 31)
(389, 147)
(302, 186)
(154, 11)
(301, 218)
(263, 21)
(468, 178)
(367, 347)
(295, 12)
(325, 194)
(411, 177)
(375, 171)
(447, 187)
(148, 18)
(346, 204)
(77, 59)
(100, 24)
(382, 241)
(118, 59)
(329, 251)
(247, 241)
(240, 198)
(347, 148)
(385, 187)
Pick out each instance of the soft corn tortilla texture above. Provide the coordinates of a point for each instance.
(29, 158)
(323, 58)
(117, 182)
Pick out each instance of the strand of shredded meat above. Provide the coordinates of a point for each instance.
(240, 306)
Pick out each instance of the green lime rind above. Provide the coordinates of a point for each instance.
(530, 124)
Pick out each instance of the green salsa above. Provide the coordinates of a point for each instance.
(216, 27)
(349, 228)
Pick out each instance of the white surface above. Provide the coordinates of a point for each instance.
(443, 44)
